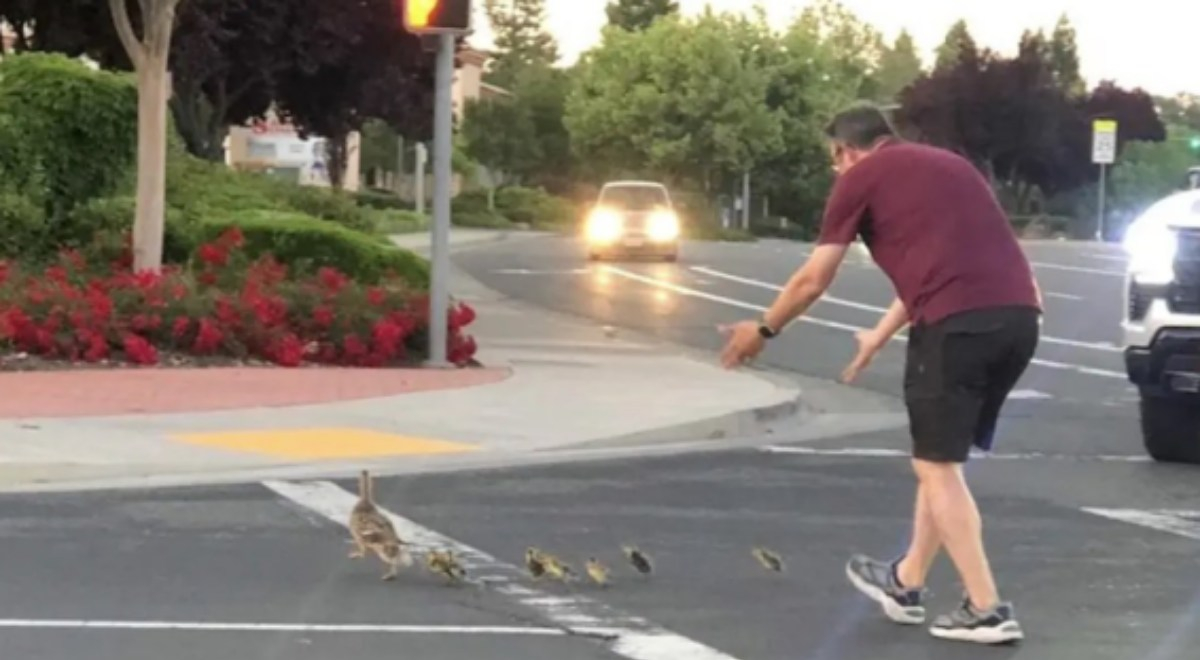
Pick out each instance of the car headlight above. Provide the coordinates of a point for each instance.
(604, 226)
(663, 226)
(1151, 245)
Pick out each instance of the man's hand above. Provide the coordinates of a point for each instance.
(745, 343)
(869, 344)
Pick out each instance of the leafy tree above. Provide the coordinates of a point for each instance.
(1148, 171)
(1063, 54)
(958, 45)
(542, 92)
(1134, 111)
(224, 61)
(849, 49)
(521, 38)
(639, 14)
(351, 63)
(1182, 110)
(499, 134)
(821, 63)
(899, 66)
(680, 100)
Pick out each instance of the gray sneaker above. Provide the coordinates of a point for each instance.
(878, 581)
(966, 624)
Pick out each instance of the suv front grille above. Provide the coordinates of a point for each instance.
(1184, 297)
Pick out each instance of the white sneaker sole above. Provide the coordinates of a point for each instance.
(891, 608)
(1006, 633)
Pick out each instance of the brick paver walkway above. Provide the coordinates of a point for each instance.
(132, 391)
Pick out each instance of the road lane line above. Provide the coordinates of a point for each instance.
(1182, 523)
(205, 626)
(1079, 269)
(693, 293)
(1095, 346)
(626, 635)
(873, 452)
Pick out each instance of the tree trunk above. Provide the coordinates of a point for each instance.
(199, 124)
(335, 161)
(148, 221)
(149, 55)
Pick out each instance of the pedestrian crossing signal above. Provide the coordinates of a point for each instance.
(437, 16)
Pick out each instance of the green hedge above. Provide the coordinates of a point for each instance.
(535, 208)
(67, 133)
(382, 200)
(203, 189)
(307, 244)
(22, 224)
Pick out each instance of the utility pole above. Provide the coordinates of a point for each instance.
(439, 291)
(439, 22)
(746, 201)
(419, 178)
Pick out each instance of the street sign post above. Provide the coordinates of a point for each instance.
(1104, 153)
(445, 20)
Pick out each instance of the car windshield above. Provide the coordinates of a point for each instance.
(634, 198)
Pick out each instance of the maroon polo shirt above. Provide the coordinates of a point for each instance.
(933, 225)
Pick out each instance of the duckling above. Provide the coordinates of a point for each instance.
(557, 568)
(770, 560)
(534, 563)
(444, 563)
(370, 530)
(641, 561)
(597, 571)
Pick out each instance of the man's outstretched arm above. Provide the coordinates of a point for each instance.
(806, 286)
(801, 291)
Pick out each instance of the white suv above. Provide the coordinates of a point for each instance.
(1162, 325)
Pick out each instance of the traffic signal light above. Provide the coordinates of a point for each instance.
(437, 16)
(1194, 143)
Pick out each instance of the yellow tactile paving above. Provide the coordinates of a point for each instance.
(315, 444)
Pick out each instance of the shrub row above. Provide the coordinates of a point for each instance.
(226, 304)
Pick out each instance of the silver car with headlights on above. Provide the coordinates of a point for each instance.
(633, 218)
(1162, 325)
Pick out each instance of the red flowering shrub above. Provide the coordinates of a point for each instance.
(225, 305)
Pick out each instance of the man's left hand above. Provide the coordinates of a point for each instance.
(744, 344)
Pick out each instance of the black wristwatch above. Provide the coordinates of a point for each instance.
(766, 331)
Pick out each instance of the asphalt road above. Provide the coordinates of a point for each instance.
(259, 571)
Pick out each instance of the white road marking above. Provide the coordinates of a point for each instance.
(873, 452)
(1079, 269)
(1095, 346)
(1062, 296)
(625, 635)
(1029, 395)
(527, 271)
(1110, 257)
(682, 290)
(276, 627)
(1182, 523)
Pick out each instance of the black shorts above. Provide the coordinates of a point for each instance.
(960, 371)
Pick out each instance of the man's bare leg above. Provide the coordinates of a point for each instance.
(926, 543)
(959, 527)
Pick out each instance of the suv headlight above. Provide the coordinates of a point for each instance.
(604, 226)
(663, 226)
(1152, 247)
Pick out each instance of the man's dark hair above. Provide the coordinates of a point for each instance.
(860, 126)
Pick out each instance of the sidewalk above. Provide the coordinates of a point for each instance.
(549, 383)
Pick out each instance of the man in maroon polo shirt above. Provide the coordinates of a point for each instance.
(934, 227)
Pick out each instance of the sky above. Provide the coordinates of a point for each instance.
(1138, 43)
